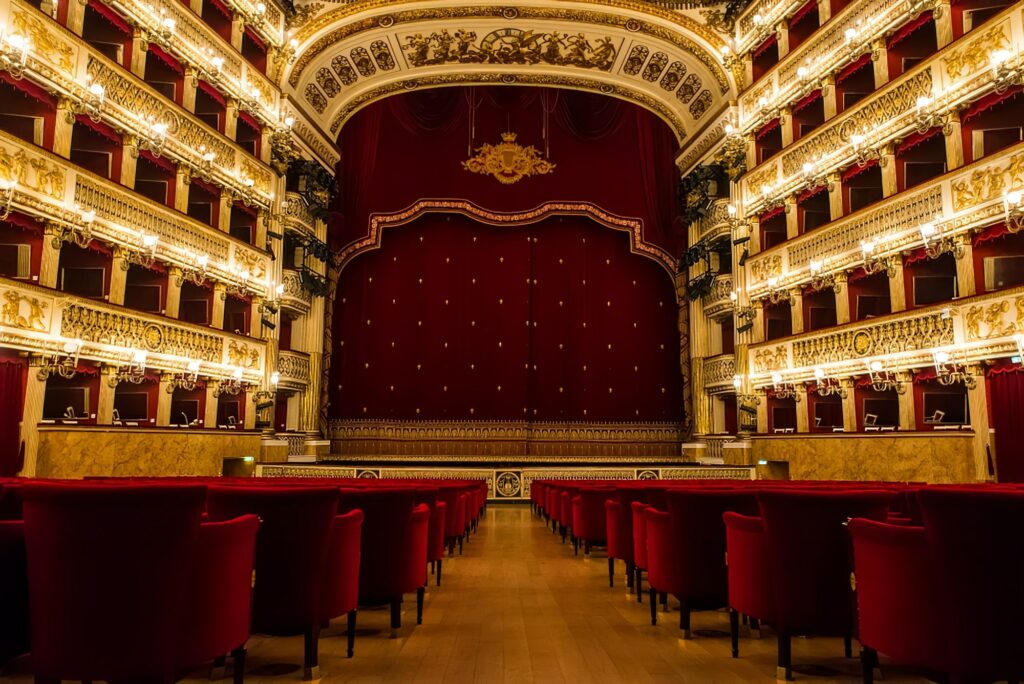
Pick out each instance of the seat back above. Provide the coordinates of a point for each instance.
(218, 601)
(591, 525)
(385, 540)
(291, 549)
(897, 596)
(747, 570)
(698, 538)
(14, 623)
(414, 560)
(107, 568)
(341, 572)
(435, 537)
(975, 543)
(639, 526)
(809, 554)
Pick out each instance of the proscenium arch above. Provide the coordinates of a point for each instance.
(665, 62)
(633, 227)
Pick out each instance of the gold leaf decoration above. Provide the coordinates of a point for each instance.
(508, 161)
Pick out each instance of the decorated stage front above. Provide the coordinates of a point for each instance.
(511, 482)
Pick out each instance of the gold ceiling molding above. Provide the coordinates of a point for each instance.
(492, 78)
(678, 39)
(632, 226)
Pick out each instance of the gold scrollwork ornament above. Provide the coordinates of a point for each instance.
(508, 161)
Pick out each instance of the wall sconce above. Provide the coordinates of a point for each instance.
(862, 151)
(269, 307)
(64, 363)
(949, 371)
(205, 166)
(768, 200)
(230, 386)
(1013, 210)
(249, 98)
(241, 288)
(90, 104)
(745, 315)
(784, 390)
(196, 273)
(187, 380)
(264, 398)
(884, 380)
(211, 72)
(935, 247)
(7, 186)
(75, 227)
(855, 44)
(14, 49)
(290, 51)
(775, 295)
(154, 139)
(815, 176)
(245, 191)
(746, 403)
(729, 58)
(281, 138)
(827, 386)
(134, 372)
(146, 254)
(873, 263)
(820, 279)
(1007, 69)
(765, 112)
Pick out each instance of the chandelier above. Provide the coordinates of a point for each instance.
(145, 254)
(14, 49)
(196, 272)
(1013, 210)
(187, 380)
(935, 247)
(75, 227)
(153, 138)
(230, 386)
(1007, 69)
(884, 380)
(90, 103)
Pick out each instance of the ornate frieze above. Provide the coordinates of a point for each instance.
(976, 54)
(510, 45)
(988, 182)
(25, 310)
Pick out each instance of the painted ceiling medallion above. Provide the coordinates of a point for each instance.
(508, 161)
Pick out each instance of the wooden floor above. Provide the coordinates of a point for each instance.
(519, 607)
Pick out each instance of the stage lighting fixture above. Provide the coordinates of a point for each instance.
(745, 327)
(267, 323)
(274, 236)
(741, 240)
(744, 256)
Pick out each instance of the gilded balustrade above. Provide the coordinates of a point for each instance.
(958, 202)
(294, 369)
(718, 373)
(974, 329)
(955, 75)
(47, 184)
(40, 320)
(297, 214)
(718, 302)
(294, 297)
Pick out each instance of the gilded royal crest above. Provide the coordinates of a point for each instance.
(508, 161)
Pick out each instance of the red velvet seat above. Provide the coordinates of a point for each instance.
(341, 573)
(415, 560)
(750, 591)
(291, 554)
(14, 622)
(218, 600)
(976, 549)
(590, 526)
(387, 541)
(619, 525)
(809, 560)
(435, 539)
(639, 525)
(695, 544)
(10, 501)
(897, 596)
(108, 568)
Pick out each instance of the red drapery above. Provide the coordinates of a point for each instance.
(856, 169)
(989, 101)
(807, 100)
(768, 128)
(1007, 410)
(904, 31)
(12, 391)
(915, 139)
(852, 68)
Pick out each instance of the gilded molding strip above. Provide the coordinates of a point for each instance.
(633, 226)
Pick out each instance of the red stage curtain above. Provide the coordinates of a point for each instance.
(455, 320)
(1007, 408)
(411, 147)
(12, 392)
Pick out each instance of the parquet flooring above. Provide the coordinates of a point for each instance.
(519, 607)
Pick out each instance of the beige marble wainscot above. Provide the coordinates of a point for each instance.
(75, 451)
(937, 457)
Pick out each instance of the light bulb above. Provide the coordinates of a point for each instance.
(876, 366)
(819, 374)
(149, 241)
(1013, 197)
(193, 366)
(856, 140)
(776, 379)
(928, 229)
(736, 382)
(815, 266)
(942, 356)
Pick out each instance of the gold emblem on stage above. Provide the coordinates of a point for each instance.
(508, 161)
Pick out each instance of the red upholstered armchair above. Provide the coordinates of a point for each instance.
(619, 525)
(639, 525)
(384, 570)
(435, 539)
(746, 560)
(809, 561)
(291, 553)
(341, 572)
(415, 559)
(697, 538)
(108, 568)
(14, 624)
(976, 549)
(218, 601)
(588, 516)
(897, 596)
(660, 558)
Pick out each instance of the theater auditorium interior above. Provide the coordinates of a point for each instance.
(520, 341)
